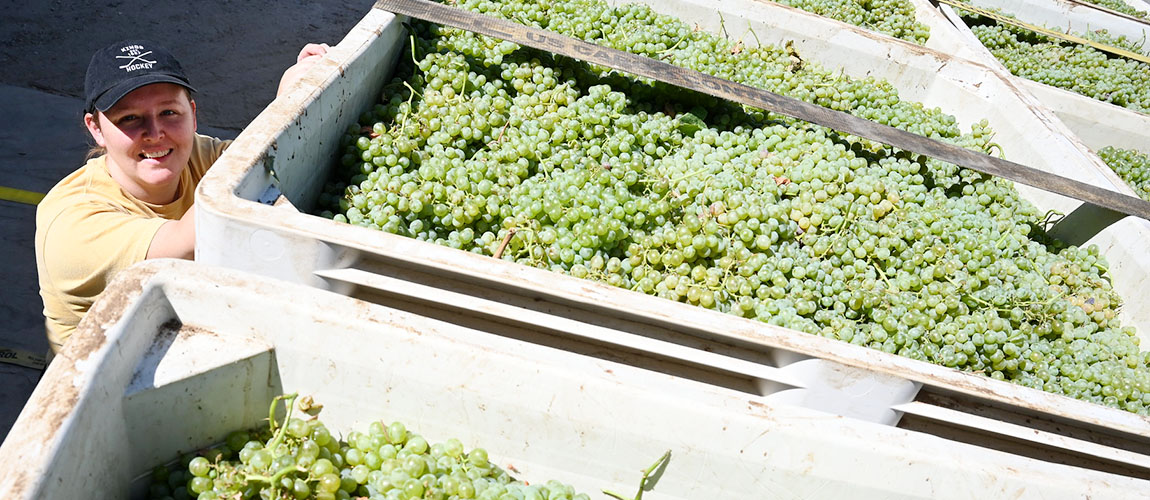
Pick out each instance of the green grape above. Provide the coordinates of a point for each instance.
(396, 433)
(322, 467)
(574, 168)
(1132, 166)
(1119, 6)
(199, 467)
(429, 471)
(1075, 67)
(237, 440)
(261, 460)
(200, 485)
(892, 17)
(297, 428)
(417, 445)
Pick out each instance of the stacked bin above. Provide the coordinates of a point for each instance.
(162, 367)
(781, 413)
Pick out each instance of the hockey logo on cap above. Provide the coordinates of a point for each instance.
(135, 58)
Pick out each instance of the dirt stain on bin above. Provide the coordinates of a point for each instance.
(56, 404)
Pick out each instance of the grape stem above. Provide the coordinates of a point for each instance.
(275, 478)
(839, 231)
(503, 244)
(666, 53)
(403, 124)
(882, 274)
(758, 42)
(643, 486)
(413, 59)
(289, 399)
(688, 175)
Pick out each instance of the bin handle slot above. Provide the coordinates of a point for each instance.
(510, 314)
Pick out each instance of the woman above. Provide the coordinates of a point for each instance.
(135, 201)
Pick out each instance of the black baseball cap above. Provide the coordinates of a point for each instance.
(125, 66)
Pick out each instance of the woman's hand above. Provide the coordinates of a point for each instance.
(309, 55)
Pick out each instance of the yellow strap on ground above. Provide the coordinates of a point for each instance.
(1051, 33)
(20, 195)
(22, 358)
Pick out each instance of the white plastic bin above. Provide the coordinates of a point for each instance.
(1097, 124)
(287, 151)
(1077, 17)
(968, 89)
(177, 354)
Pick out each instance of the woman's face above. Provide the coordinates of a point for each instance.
(149, 135)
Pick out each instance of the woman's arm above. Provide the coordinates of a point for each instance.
(175, 238)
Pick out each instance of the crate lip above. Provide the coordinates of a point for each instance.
(924, 12)
(1081, 8)
(1072, 9)
(218, 196)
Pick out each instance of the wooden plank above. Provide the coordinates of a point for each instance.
(758, 98)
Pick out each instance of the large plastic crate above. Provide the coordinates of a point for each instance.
(969, 89)
(176, 354)
(1096, 123)
(1074, 16)
(285, 155)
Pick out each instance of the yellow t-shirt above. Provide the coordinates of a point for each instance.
(88, 229)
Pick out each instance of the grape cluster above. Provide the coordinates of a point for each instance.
(892, 17)
(488, 147)
(1132, 166)
(1119, 6)
(302, 460)
(1075, 67)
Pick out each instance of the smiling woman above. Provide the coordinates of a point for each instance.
(135, 201)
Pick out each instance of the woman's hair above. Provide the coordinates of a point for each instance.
(94, 149)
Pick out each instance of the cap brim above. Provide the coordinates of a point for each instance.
(114, 94)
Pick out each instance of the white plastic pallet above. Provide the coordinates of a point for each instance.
(297, 139)
(177, 354)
